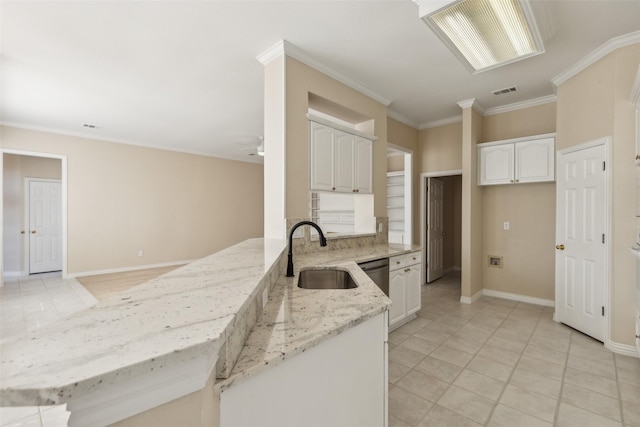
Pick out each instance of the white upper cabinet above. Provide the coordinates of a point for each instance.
(321, 148)
(339, 161)
(517, 161)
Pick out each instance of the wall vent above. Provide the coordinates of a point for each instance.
(505, 90)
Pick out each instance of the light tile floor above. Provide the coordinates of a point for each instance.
(503, 363)
(26, 304)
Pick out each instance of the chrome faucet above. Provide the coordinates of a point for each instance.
(323, 242)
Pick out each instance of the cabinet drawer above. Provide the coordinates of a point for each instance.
(405, 260)
(413, 258)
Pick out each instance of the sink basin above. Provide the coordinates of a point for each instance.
(325, 279)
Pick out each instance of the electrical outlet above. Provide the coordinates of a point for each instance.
(140, 253)
(506, 225)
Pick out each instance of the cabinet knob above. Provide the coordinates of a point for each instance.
(397, 262)
(333, 188)
(560, 247)
(637, 156)
(33, 231)
(511, 180)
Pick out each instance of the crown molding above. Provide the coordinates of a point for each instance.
(118, 141)
(283, 47)
(402, 119)
(441, 122)
(473, 103)
(521, 105)
(596, 55)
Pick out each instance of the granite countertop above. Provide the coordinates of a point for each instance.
(295, 320)
(185, 315)
(172, 319)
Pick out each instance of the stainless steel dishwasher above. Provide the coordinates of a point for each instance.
(378, 271)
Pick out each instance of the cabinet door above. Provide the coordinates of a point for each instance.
(397, 295)
(343, 161)
(363, 180)
(413, 291)
(321, 152)
(535, 160)
(496, 165)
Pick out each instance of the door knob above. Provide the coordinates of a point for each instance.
(33, 231)
(560, 247)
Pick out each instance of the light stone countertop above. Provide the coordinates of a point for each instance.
(185, 314)
(295, 320)
(170, 320)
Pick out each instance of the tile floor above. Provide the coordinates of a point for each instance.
(494, 362)
(503, 363)
(26, 304)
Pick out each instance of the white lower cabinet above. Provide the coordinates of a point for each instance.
(404, 288)
(341, 382)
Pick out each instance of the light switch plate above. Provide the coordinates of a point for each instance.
(506, 225)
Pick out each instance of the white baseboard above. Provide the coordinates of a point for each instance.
(474, 298)
(623, 349)
(518, 297)
(15, 273)
(125, 269)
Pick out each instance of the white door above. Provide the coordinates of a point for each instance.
(45, 226)
(496, 164)
(435, 229)
(412, 282)
(580, 237)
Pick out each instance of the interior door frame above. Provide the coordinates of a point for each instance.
(606, 141)
(63, 181)
(423, 212)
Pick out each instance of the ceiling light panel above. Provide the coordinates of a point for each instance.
(486, 34)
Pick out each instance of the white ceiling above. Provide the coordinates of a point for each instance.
(183, 75)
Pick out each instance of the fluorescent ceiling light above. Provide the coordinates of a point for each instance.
(485, 34)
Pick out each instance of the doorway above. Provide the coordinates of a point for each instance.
(399, 194)
(20, 168)
(440, 223)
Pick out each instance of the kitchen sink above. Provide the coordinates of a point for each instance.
(325, 278)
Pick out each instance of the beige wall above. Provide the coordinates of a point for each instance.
(172, 206)
(395, 163)
(440, 148)
(527, 247)
(594, 104)
(405, 136)
(15, 169)
(300, 81)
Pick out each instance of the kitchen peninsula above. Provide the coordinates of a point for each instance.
(163, 339)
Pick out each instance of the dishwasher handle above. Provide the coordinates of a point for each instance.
(371, 265)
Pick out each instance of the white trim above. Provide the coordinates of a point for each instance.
(596, 55)
(624, 349)
(518, 297)
(64, 183)
(515, 140)
(126, 269)
(473, 103)
(283, 47)
(423, 214)
(15, 273)
(521, 105)
(474, 298)
(441, 122)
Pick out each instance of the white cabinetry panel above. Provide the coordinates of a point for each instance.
(321, 146)
(404, 287)
(517, 161)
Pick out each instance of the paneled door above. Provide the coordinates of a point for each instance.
(435, 229)
(45, 226)
(580, 240)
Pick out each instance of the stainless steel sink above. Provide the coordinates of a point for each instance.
(325, 279)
